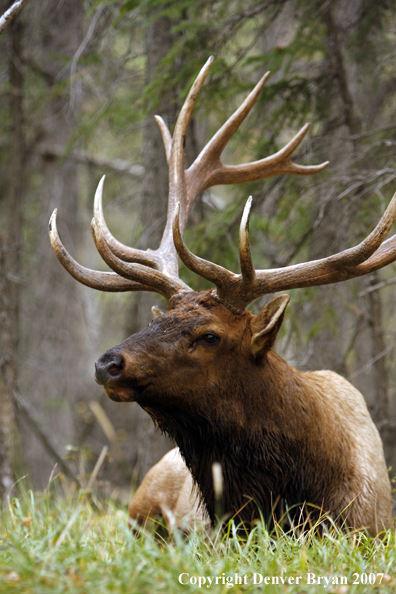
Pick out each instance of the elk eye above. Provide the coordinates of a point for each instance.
(210, 338)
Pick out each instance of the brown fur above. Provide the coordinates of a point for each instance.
(282, 437)
(168, 490)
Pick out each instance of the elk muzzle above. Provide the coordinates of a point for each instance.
(110, 373)
(109, 367)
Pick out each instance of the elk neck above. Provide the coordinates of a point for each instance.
(266, 432)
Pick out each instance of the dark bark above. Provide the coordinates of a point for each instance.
(8, 428)
(331, 235)
(52, 312)
(378, 348)
(6, 473)
(381, 412)
(10, 267)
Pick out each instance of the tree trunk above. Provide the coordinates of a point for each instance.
(10, 270)
(6, 474)
(331, 235)
(52, 312)
(8, 427)
(381, 406)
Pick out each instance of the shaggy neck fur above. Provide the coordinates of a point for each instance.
(267, 461)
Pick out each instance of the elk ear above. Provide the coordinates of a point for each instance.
(156, 311)
(265, 326)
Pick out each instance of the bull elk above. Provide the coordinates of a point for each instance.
(206, 373)
(168, 491)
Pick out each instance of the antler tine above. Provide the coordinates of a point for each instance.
(183, 121)
(208, 170)
(102, 281)
(245, 256)
(289, 149)
(385, 254)
(177, 185)
(237, 291)
(277, 164)
(367, 256)
(282, 159)
(166, 136)
(212, 151)
(214, 273)
(161, 283)
(217, 144)
(120, 250)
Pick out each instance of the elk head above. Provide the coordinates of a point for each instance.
(190, 355)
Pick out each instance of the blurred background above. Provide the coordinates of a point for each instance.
(80, 83)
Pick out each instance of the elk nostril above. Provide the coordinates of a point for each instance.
(115, 370)
(108, 367)
(118, 361)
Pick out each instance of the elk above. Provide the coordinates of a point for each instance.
(168, 491)
(206, 372)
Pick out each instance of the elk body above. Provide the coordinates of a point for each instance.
(168, 490)
(206, 372)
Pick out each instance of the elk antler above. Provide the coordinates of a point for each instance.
(157, 270)
(238, 290)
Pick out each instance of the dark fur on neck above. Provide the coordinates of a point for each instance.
(256, 470)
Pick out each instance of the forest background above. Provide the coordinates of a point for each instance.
(80, 83)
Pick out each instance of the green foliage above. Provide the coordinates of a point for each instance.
(52, 543)
(328, 319)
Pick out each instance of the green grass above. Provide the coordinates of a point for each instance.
(73, 544)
